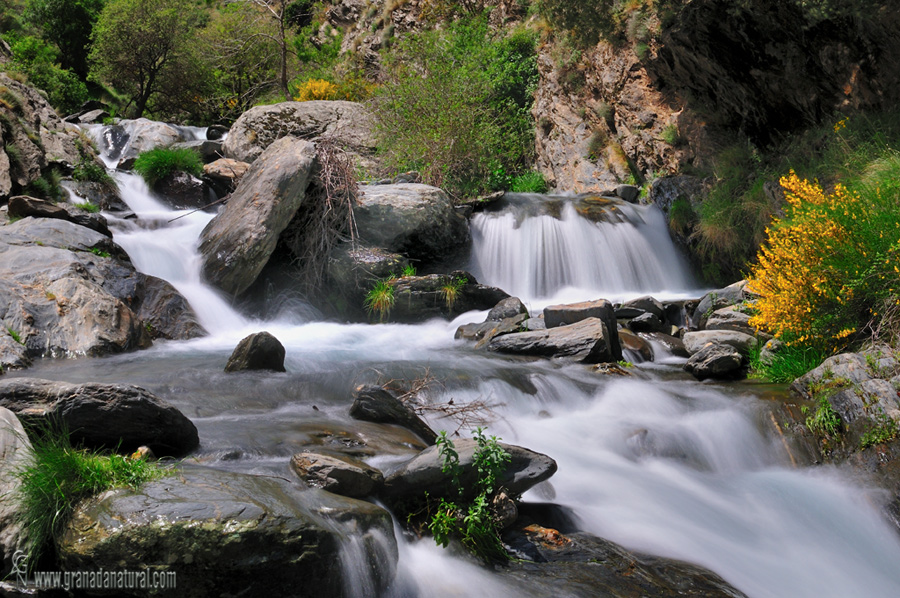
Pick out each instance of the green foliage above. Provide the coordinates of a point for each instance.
(455, 105)
(884, 430)
(67, 24)
(99, 252)
(56, 476)
(450, 290)
(408, 270)
(160, 162)
(825, 421)
(785, 365)
(89, 171)
(473, 523)
(671, 135)
(380, 299)
(46, 187)
(597, 144)
(39, 62)
(147, 50)
(88, 207)
(15, 335)
(529, 182)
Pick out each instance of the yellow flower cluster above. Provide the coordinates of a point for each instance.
(816, 273)
(316, 89)
(841, 124)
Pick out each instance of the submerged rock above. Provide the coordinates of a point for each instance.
(231, 534)
(339, 474)
(715, 360)
(587, 341)
(238, 242)
(425, 473)
(375, 404)
(112, 416)
(14, 451)
(259, 351)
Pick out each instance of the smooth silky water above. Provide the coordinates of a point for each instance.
(660, 464)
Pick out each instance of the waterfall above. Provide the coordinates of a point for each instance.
(536, 247)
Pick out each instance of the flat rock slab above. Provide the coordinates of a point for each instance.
(694, 341)
(229, 534)
(113, 416)
(424, 473)
(339, 474)
(587, 341)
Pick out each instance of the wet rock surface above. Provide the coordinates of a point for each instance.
(14, 451)
(587, 341)
(375, 404)
(259, 351)
(337, 473)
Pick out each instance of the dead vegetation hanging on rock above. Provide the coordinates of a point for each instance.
(326, 218)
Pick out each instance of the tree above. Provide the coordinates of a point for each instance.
(145, 48)
(280, 13)
(67, 24)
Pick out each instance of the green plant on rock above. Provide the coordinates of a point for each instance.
(824, 421)
(15, 335)
(451, 289)
(786, 364)
(160, 162)
(529, 182)
(88, 207)
(884, 430)
(99, 252)
(56, 476)
(380, 299)
(408, 270)
(472, 523)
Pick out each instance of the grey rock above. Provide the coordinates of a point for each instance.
(349, 123)
(535, 324)
(15, 450)
(714, 300)
(339, 474)
(183, 191)
(230, 534)
(114, 416)
(166, 312)
(208, 149)
(105, 195)
(665, 191)
(586, 341)
(238, 243)
(636, 345)
(22, 206)
(419, 298)
(674, 344)
(352, 271)
(695, 341)
(715, 360)
(849, 368)
(375, 404)
(258, 351)
(645, 304)
(424, 473)
(769, 350)
(416, 220)
(558, 315)
(140, 135)
(13, 354)
(646, 322)
(93, 116)
(629, 193)
(507, 308)
(730, 318)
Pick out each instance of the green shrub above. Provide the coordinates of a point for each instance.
(56, 476)
(825, 421)
(471, 523)
(450, 290)
(39, 62)
(160, 162)
(529, 182)
(455, 105)
(89, 171)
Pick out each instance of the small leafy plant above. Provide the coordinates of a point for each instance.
(380, 299)
(15, 335)
(825, 421)
(408, 270)
(88, 207)
(885, 430)
(472, 523)
(160, 162)
(99, 252)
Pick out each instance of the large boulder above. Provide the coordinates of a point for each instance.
(34, 140)
(416, 220)
(15, 449)
(560, 315)
(238, 243)
(183, 191)
(424, 473)
(733, 294)
(375, 404)
(127, 139)
(715, 360)
(587, 341)
(507, 308)
(114, 416)
(165, 312)
(259, 351)
(22, 206)
(230, 534)
(67, 290)
(339, 474)
(349, 123)
(351, 272)
(695, 341)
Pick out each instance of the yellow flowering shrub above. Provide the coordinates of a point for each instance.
(316, 89)
(829, 265)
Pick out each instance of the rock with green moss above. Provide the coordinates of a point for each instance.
(14, 450)
(225, 533)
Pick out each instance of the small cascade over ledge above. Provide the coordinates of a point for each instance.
(540, 247)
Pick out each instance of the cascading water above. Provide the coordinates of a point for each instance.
(663, 464)
(538, 248)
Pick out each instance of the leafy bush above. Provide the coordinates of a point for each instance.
(160, 162)
(56, 476)
(39, 62)
(473, 523)
(830, 264)
(455, 105)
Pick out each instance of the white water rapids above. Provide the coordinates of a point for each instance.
(664, 465)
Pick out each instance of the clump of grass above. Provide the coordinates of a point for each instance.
(15, 335)
(56, 476)
(529, 182)
(671, 135)
(885, 430)
(160, 162)
(786, 364)
(99, 252)
(408, 270)
(380, 299)
(596, 144)
(88, 207)
(824, 421)
(450, 290)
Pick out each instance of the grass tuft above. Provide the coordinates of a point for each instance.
(160, 162)
(380, 299)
